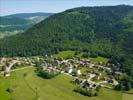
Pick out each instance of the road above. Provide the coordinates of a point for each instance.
(17, 69)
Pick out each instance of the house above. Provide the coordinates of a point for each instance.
(94, 85)
(115, 82)
(69, 70)
(78, 72)
(118, 73)
(91, 65)
(107, 69)
(7, 74)
(98, 75)
(91, 76)
(2, 61)
(86, 84)
(89, 84)
(78, 80)
(44, 67)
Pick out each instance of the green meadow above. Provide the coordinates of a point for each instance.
(65, 54)
(100, 59)
(26, 85)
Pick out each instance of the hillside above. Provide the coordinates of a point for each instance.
(105, 31)
(17, 23)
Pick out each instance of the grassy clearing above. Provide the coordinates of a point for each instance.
(65, 54)
(27, 86)
(100, 59)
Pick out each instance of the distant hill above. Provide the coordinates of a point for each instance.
(18, 23)
(27, 15)
(105, 31)
(12, 21)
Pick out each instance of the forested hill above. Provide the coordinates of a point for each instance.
(106, 31)
(18, 23)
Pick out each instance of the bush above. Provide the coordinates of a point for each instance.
(74, 73)
(10, 90)
(95, 94)
(25, 74)
(94, 55)
(76, 53)
(125, 84)
(47, 75)
(82, 91)
(86, 92)
(86, 55)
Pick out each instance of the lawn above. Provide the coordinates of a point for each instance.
(4, 83)
(100, 59)
(127, 97)
(27, 86)
(65, 54)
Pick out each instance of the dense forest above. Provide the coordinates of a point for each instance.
(105, 31)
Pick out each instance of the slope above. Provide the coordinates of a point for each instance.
(105, 31)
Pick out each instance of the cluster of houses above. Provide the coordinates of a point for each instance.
(86, 83)
(70, 67)
(74, 66)
(6, 65)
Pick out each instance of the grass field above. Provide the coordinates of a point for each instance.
(100, 59)
(65, 54)
(27, 86)
(4, 83)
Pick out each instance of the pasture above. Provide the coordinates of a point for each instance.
(27, 85)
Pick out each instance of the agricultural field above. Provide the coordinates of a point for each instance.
(26, 85)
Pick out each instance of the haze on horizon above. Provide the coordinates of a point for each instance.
(8, 7)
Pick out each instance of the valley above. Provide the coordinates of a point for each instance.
(74, 70)
(58, 88)
(18, 23)
(80, 53)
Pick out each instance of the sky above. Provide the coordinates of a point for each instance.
(8, 7)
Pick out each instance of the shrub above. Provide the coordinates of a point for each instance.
(10, 90)
(86, 55)
(86, 92)
(47, 75)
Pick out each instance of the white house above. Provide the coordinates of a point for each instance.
(78, 72)
(70, 70)
(115, 82)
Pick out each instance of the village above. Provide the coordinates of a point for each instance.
(86, 73)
